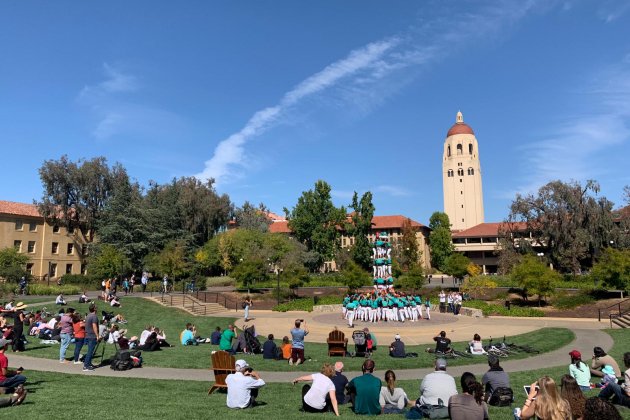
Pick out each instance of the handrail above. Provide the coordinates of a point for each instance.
(618, 305)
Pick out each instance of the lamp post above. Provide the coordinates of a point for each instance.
(278, 283)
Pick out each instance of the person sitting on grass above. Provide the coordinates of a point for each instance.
(145, 334)
(599, 409)
(580, 370)
(442, 344)
(320, 397)
(620, 392)
(494, 379)
(393, 400)
(397, 348)
(469, 405)
(84, 297)
(476, 345)
(115, 302)
(601, 359)
(243, 386)
(340, 380)
(215, 337)
(60, 300)
(365, 390)
(286, 348)
(226, 339)
(571, 392)
(544, 402)
(270, 350)
(8, 378)
(436, 386)
(187, 337)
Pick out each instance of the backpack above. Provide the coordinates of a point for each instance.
(122, 361)
(501, 397)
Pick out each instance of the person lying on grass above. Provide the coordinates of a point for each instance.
(320, 397)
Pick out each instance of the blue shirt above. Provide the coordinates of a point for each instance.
(298, 335)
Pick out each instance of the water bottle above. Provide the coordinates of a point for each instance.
(517, 413)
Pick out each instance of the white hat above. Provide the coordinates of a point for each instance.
(241, 364)
(397, 337)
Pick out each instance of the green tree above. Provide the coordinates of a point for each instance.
(568, 222)
(456, 265)
(413, 279)
(76, 193)
(406, 250)
(108, 261)
(252, 218)
(173, 260)
(534, 277)
(475, 285)
(250, 271)
(12, 264)
(315, 221)
(360, 227)
(613, 269)
(354, 276)
(440, 240)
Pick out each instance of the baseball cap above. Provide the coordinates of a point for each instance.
(397, 337)
(241, 364)
(440, 363)
(575, 354)
(4, 342)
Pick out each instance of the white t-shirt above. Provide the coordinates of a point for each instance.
(143, 337)
(316, 396)
(113, 337)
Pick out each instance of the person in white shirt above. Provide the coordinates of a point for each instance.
(393, 400)
(60, 300)
(320, 397)
(243, 386)
(145, 334)
(437, 385)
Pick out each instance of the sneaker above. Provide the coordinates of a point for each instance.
(298, 361)
(77, 363)
(88, 368)
(63, 361)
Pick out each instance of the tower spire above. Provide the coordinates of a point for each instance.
(460, 117)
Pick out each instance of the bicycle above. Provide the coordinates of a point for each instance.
(518, 348)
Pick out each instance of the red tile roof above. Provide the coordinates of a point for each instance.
(459, 128)
(378, 222)
(621, 213)
(279, 227)
(486, 230)
(19, 209)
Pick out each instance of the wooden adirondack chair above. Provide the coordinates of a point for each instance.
(337, 343)
(223, 364)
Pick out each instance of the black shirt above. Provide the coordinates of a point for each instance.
(340, 382)
(442, 344)
(398, 349)
(269, 350)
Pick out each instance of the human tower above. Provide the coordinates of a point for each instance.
(384, 303)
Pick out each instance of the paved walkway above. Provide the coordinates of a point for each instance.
(585, 340)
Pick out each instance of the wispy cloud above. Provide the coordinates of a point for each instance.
(612, 10)
(394, 191)
(365, 77)
(579, 146)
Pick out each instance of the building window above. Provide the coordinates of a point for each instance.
(68, 268)
(32, 227)
(461, 193)
(70, 249)
(471, 171)
(460, 172)
(55, 248)
(84, 250)
(462, 206)
(53, 269)
(19, 225)
(31, 247)
(83, 269)
(55, 229)
(17, 245)
(448, 151)
(460, 149)
(29, 268)
(343, 242)
(450, 173)
(470, 149)
(462, 220)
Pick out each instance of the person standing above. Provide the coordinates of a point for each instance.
(442, 297)
(427, 307)
(246, 304)
(132, 282)
(144, 280)
(18, 327)
(78, 325)
(8, 379)
(297, 347)
(91, 338)
(365, 391)
(65, 323)
(165, 284)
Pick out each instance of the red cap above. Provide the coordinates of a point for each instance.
(575, 354)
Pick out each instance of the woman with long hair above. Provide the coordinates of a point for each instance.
(469, 405)
(580, 371)
(393, 400)
(570, 391)
(476, 345)
(599, 409)
(320, 397)
(545, 402)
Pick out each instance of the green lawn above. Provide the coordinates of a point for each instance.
(124, 398)
(140, 312)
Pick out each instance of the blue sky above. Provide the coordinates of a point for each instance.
(269, 96)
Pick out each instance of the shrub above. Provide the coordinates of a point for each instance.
(492, 309)
(303, 304)
(79, 279)
(220, 281)
(572, 301)
(43, 289)
(328, 300)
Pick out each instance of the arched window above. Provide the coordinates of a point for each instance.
(460, 172)
(448, 151)
(470, 149)
(460, 150)
(471, 171)
(450, 173)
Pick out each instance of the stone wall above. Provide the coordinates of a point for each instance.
(473, 312)
(327, 308)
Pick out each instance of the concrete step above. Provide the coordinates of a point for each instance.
(185, 303)
(623, 321)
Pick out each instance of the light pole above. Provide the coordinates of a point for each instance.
(278, 283)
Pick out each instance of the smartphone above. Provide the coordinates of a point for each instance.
(528, 388)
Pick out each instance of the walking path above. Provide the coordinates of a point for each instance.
(585, 340)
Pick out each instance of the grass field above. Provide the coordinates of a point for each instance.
(141, 312)
(124, 398)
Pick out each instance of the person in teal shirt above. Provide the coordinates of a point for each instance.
(226, 339)
(365, 390)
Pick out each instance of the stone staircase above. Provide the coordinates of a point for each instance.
(189, 304)
(622, 321)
